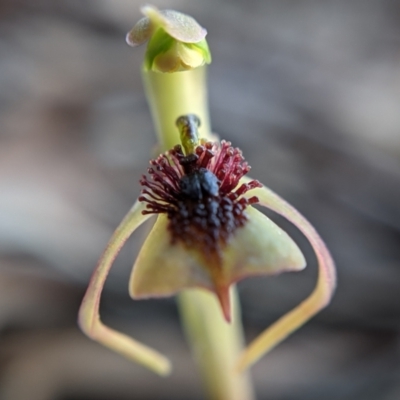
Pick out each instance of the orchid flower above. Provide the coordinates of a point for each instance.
(207, 235)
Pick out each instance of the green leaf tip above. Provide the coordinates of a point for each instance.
(176, 42)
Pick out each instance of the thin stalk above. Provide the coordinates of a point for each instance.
(216, 345)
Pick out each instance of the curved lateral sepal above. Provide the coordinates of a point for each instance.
(89, 319)
(318, 299)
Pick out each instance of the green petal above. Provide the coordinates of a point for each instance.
(163, 269)
(203, 48)
(159, 44)
(165, 54)
(258, 248)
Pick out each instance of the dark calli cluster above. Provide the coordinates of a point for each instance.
(199, 192)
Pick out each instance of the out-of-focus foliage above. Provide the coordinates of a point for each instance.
(310, 92)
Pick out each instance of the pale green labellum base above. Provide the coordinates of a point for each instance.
(258, 248)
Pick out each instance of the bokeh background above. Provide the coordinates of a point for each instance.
(310, 90)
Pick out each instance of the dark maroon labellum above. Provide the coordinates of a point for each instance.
(199, 193)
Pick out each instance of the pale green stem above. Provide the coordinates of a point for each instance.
(215, 344)
(171, 95)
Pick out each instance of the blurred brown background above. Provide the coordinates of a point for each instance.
(310, 91)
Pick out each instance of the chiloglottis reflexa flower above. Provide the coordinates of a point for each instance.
(208, 235)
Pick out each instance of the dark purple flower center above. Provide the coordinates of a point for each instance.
(199, 193)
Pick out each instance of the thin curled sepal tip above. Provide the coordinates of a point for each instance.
(89, 319)
(318, 299)
(176, 42)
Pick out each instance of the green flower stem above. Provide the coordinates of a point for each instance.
(215, 344)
